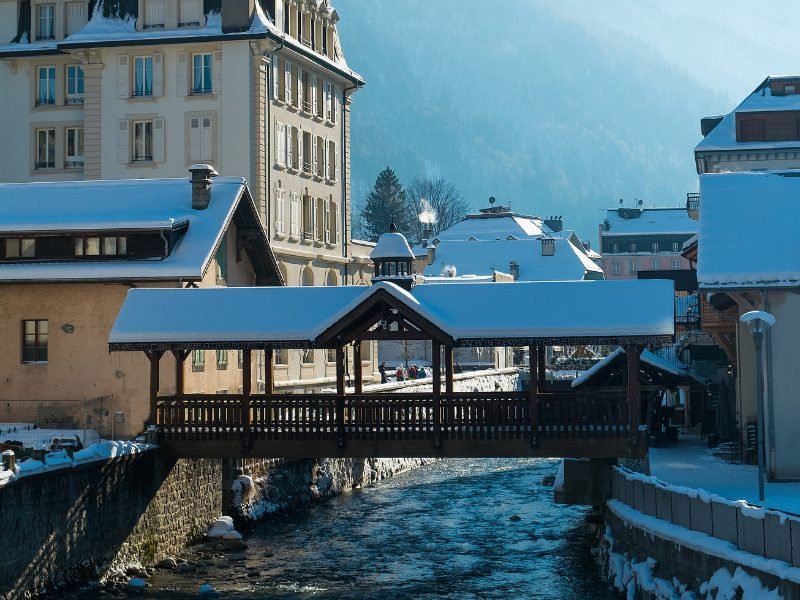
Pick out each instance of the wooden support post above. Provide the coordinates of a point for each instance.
(269, 378)
(448, 369)
(155, 375)
(357, 368)
(632, 353)
(180, 356)
(246, 389)
(437, 395)
(533, 393)
(340, 391)
(541, 366)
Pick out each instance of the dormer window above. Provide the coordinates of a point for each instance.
(45, 21)
(325, 40)
(100, 246)
(789, 89)
(191, 13)
(286, 18)
(154, 13)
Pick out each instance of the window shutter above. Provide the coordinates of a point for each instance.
(327, 170)
(327, 111)
(123, 147)
(182, 75)
(123, 76)
(275, 77)
(158, 74)
(206, 139)
(314, 155)
(194, 139)
(299, 88)
(335, 167)
(289, 149)
(334, 104)
(277, 142)
(158, 140)
(326, 226)
(216, 69)
(313, 92)
(300, 149)
(314, 220)
(287, 82)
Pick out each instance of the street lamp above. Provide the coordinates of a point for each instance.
(758, 322)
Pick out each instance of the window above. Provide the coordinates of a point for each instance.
(191, 13)
(281, 356)
(280, 210)
(655, 264)
(222, 360)
(331, 174)
(633, 247)
(308, 217)
(240, 359)
(280, 143)
(655, 246)
(294, 207)
(332, 235)
(307, 151)
(631, 267)
(676, 264)
(143, 76)
(154, 14)
(45, 148)
(330, 355)
(286, 17)
(45, 21)
(366, 351)
(676, 247)
(76, 16)
(313, 33)
(46, 86)
(142, 141)
(34, 341)
(100, 246)
(307, 356)
(222, 261)
(299, 23)
(74, 85)
(202, 73)
(20, 248)
(325, 40)
(615, 267)
(74, 150)
(201, 144)
(198, 360)
(615, 248)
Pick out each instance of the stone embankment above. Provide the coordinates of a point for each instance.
(664, 541)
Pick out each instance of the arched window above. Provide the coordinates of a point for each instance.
(307, 278)
(332, 279)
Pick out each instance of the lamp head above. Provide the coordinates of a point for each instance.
(757, 321)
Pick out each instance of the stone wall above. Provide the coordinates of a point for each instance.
(72, 525)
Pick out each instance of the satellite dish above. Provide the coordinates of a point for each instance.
(620, 201)
(492, 200)
(640, 202)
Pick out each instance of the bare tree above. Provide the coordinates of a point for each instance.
(437, 203)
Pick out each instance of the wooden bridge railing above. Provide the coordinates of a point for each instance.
(462, 416)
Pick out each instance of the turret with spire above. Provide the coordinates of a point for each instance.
(393, 259)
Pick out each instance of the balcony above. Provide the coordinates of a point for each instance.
(693, 205)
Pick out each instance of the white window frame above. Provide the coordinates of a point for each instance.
(142, 123)
(206, 88)
(75, 76)
(48, 98)
(280, 211)
(676, 264)
(615, 269)
(74, 160)
(655, 264)
(152, 19)
(49, 148)
(190, 9)
(201, 138)
(294, 207)
(143, 61)
(46, 22)
(676, 247)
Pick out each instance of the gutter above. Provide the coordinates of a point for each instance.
(345, 160)
(268, 191)
(770, 406)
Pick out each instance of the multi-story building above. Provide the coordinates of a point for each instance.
(145, 88)
(762, 133)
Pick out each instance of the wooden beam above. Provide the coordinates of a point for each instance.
(437, 394)
(541, 368)
(533, 392)
(380, 334)
(357, 368)
(155, 376)
(448, 369)
(632, 352)
(340, 391)
(246, 390)
(180, 357)
(269, 372)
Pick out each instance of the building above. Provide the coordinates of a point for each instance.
(70, 252)
(762, 132)
(145, 88)
(644, 239)
(763, 274)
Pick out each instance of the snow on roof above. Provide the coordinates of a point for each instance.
(84, 206)
(391, 245)
(484, 257)
(649, 221)
(723, 136)
(748, 230)
(497, 226)
(646, 357)
(583, 309)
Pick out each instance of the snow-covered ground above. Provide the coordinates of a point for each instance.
(691, 464)
(33, 437)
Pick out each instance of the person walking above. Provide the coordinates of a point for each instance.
(382, 371)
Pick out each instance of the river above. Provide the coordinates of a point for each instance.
(443, 531)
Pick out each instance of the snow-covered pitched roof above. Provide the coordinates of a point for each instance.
(647, 357)
(391, 245)
(623, 221)
(748, 230)
(500, 311)
(135, 204)
(723, 136)
(484, 257)
(497, 226)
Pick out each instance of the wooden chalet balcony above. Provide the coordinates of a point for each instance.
(368, 425)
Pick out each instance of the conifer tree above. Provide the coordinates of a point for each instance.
(384, 205)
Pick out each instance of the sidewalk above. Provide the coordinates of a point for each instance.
(690, 463)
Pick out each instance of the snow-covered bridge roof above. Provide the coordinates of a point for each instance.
(456, 314)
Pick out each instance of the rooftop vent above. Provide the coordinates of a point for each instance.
(201, 185)
(555, 223)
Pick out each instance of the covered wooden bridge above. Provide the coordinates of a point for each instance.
(536, 422)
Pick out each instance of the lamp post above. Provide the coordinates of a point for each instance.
(758, 322)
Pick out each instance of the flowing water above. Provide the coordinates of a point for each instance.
(443, 531)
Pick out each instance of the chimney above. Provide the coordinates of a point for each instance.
(201, 185)
(237, 15)
(548, 247)
(513, 267)
(431, 248)
(555, 223)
